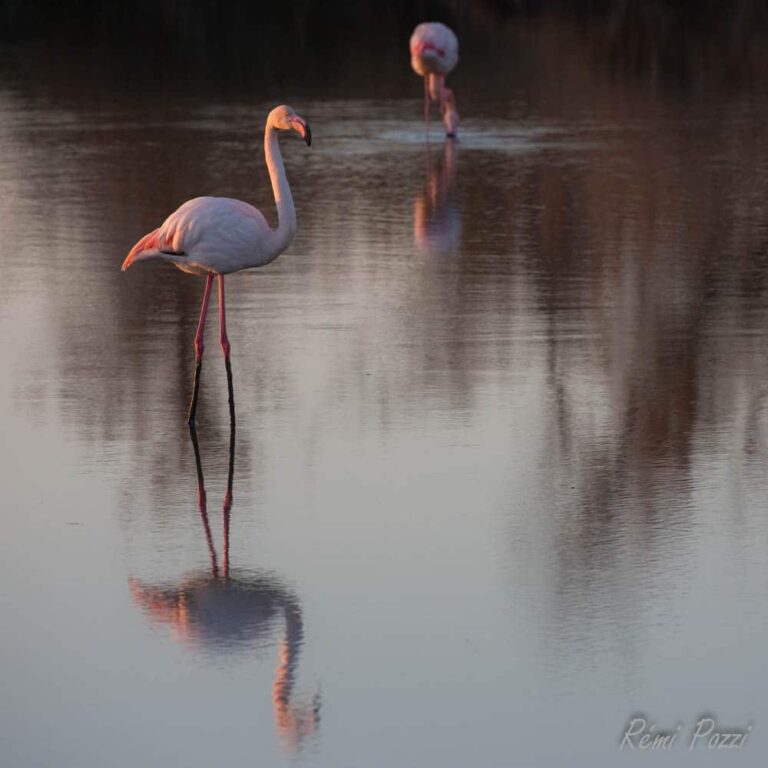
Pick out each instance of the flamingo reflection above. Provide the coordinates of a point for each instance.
(436, 219)
(230, 611)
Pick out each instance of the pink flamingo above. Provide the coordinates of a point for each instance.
(434, 53)
(210, 236)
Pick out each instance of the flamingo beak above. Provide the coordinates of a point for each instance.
(301, 127)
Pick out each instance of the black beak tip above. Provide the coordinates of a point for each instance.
(308, 135)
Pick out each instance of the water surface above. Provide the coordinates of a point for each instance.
(499, 471)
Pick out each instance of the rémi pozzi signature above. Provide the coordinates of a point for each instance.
(705, 734)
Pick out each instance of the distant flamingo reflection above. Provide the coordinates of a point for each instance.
(224, 611)
(436, 218)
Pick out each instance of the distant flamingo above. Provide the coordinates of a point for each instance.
(434, 53)
(210, 236)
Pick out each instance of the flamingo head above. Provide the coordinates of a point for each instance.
(285, 119)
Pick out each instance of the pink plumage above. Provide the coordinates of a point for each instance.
(434, 49)
(148, 242)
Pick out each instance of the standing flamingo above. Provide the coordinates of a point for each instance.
(210, 236)
(434, 53)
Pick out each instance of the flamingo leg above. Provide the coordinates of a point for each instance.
(426, 103)
(447, 108)
(225, 349)
(199, 349)
(449, 113)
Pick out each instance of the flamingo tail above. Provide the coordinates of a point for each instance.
(149, 248)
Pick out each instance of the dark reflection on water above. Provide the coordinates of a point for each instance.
(502, 405)
(226, 611)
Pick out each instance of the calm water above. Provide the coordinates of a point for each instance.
(499, 473)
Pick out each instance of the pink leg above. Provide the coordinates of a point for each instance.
(225, 349)
(199, 344)
(201, 323)
(435, 85)
(450, 117)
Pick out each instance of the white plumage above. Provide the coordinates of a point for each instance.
(219, 235)
(210, 235)
(434, 49)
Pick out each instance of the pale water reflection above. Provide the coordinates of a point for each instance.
(502, 427)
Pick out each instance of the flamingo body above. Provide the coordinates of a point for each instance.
(434, 49)
(210, 235)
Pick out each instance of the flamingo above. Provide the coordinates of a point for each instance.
(214, 236)
(434, 53)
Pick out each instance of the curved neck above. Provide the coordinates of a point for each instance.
(286, 213)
